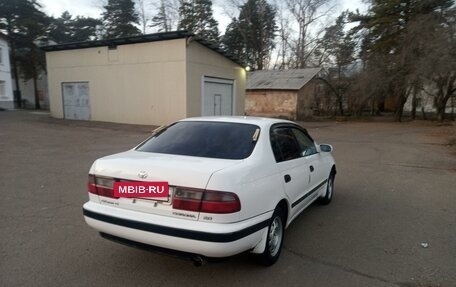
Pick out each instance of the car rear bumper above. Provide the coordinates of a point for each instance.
(201, 238)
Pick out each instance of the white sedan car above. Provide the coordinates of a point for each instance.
(235, 184)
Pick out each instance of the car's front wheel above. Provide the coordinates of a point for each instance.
(275, 238)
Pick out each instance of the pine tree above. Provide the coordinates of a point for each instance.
(197, 17)
(251, 36)
(337, 48)
(206, 26)
(120, 18)
(85, 28)
(25, 24)
(61, 30)
(233, 42)
(66, 29)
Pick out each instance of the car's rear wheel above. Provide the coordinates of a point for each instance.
(275, 238)
(326, 199)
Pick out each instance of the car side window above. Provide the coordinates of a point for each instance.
(306, 144)
(284, 144)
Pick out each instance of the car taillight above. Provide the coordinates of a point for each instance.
(208, 201)
(187, 199)
(220, 202)
(91, 185)
(102, 186)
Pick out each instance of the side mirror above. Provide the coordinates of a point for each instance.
(326, 148)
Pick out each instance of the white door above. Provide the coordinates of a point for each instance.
(293, 167)
(313, 157)
(217, 97)
(76, 100)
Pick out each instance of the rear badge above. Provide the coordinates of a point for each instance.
(142, 174)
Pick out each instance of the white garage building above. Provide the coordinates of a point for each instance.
(149, 79)
(6, 87)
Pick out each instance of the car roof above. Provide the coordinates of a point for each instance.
(259, 121)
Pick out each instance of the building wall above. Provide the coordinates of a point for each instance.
(28, 91)
(137, 83)
(271, 103)
(202, 61)
(6, 90)
(426, 102)
(306, 100)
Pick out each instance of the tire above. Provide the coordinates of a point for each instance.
(329, 190)
(275, 237)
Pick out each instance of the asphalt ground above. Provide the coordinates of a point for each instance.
(392, 221)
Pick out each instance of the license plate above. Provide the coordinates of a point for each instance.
(158, 190)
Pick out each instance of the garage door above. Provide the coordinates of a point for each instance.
(76, 103)
(217, 97)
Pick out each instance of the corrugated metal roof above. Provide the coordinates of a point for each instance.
(280, 79)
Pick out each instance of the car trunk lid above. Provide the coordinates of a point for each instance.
(177, 170)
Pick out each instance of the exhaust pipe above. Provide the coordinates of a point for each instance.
(198, 261)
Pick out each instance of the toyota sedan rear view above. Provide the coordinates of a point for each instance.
(210, 187)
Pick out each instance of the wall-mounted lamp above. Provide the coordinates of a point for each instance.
(247, 69)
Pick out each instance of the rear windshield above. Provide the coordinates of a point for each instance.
(205, 139)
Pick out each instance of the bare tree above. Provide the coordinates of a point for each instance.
(370, 86)
(141, 8)
(283, 51)
(306, 13)
(339, 46)
(161, 20)
(231, 8)
(166, 17)
(437, 69)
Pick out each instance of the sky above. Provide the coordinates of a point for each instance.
(222, 9)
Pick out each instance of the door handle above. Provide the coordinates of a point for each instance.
(311, 168)
(287, 178)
